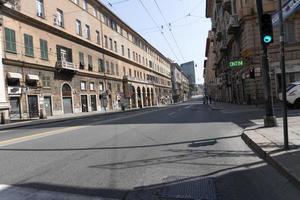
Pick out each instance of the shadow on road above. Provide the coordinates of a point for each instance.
(233, 183)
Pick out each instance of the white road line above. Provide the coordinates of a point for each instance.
(172, 113)
(187, 107)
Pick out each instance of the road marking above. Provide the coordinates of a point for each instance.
(63, 130)
(172, 113)
(37, 136)
(187, 107)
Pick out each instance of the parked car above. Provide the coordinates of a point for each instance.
(293, 94)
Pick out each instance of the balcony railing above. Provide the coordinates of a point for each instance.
(233, 25)
(66, 65)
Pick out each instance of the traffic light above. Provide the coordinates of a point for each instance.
(252, 73)
(267, 29)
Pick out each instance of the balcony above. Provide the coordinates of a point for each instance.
(227, 5)
(65, 65)
(233, 25)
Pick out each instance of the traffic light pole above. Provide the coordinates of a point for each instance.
(283, 77)
(270, 120)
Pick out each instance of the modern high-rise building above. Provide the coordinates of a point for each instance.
(189, 69)
(71, 56)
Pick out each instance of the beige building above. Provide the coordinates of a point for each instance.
(71, 56)
(211, 83)
(180, 84)
(236, 47)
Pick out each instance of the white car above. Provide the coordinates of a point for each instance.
(293, 94)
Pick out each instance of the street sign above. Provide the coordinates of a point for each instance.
(288, 8)
(236, 63)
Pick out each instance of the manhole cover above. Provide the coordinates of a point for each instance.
(196, 189)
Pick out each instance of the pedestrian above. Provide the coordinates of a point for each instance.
(209, 99)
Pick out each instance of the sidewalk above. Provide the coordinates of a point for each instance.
(222, 106)
(268, 144)
(60, 118)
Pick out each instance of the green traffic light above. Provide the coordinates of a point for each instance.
(267, 39)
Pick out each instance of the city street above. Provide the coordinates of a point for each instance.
(180, 151)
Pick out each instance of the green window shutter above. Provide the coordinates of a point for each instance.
(44, 49)
(28, 45)
(10, 40)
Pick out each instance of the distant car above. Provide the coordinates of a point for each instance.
(293, 94)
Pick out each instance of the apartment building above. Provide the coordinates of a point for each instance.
(180, 83)
(236, 48)
(71, 56)
(211, 84)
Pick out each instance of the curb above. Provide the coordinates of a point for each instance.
(51, 121)
(270, 160)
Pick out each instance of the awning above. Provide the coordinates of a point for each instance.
(32, 77)
(14, 75)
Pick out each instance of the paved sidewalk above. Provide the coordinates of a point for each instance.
(60, 118)
(268, 143)
(223, 106)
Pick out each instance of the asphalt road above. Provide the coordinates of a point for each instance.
(185, 151)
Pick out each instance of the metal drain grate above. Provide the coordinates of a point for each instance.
(196, 189)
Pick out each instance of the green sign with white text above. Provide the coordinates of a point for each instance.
(236, 63)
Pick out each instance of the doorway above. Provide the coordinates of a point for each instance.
(84, 103)
(67, 99)
(33, 108)
(15, 108)
(48, 105)
(93, 103)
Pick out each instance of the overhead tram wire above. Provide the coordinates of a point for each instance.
(176, 43)
(161, 31)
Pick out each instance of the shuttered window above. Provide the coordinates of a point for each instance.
(10, 40)
(28, 41)
(44, 49)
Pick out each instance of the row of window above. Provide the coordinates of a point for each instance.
(59, 21)
(10, 44)
(64, 53)
(114, 26)
(91, 86)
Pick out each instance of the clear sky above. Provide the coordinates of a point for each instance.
(185, 18)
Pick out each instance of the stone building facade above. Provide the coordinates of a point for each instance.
(236, 48)
(72, 56)
(180, 84)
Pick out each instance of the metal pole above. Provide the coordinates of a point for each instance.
(283, 78)
(270, 120)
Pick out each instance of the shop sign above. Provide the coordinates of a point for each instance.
(236, 63)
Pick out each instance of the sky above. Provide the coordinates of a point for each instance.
(185, 18)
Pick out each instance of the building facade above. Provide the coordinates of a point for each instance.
(210, 80)
(189, 69)
(236, 50)
(72, 56)
(180, 84)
